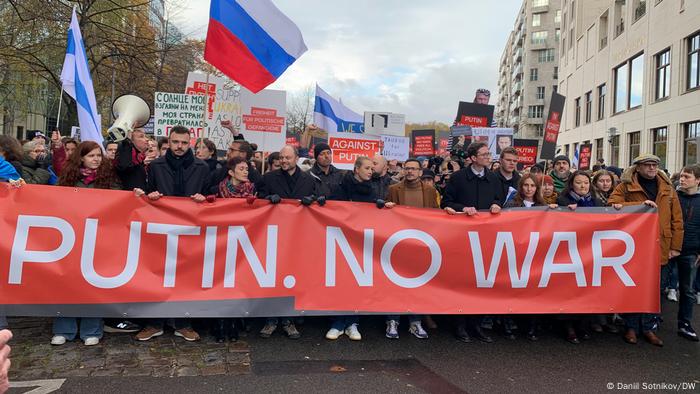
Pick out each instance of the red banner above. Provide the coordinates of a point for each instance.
(101, 253)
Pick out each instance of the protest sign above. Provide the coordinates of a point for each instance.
(175, 109)
(584, 157)
(347, 147)
(474, 115)
(443, 142)
(395, 148)
(551, 128)
(423, 142)
(260, 117)
(527, 152)
(110, 254)
(385, 123)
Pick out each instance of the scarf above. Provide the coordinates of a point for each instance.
(179, 164)
(582, 201)
(87, 175)
(228, 190)
(136, 156)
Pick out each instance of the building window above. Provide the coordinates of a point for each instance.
(540, 3)
(536, 20)
(633, 145)
(589, 105)
(545, 55)
(557, 17)
(640, 9)
(571, 37)
(629, 84)
(539, 130)
(557, 34)
(663, 74)
(577, 110)
(660, 140)
(555, 74)
(540, 93)
(601, 101)
(533, 74)
(539, 37)
(598, 149)
(535, 111)
(615, 151)
(555, 89)
(691, 143)
(694, 61)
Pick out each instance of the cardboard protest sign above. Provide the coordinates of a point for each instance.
(527, 152)
(460, 138)
(261, 117)
(443, 142)
(395, 148)
(584, 156)
(496, 138)
(385, 123)
(551, 128)
(474, 115)
(347, 147)
(423, 142)
(175, 109)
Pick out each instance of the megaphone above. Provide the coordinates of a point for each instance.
(129, 112)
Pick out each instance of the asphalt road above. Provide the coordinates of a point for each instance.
(439, 364)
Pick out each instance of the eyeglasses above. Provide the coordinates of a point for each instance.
(487, 154)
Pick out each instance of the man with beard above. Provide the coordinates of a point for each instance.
(180, 174)
(329, 176)
(561, 172)
(381, 179)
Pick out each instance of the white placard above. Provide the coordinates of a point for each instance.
(395, 148)
(385, 123)
(175, 109)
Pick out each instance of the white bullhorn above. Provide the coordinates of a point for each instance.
(130, 112)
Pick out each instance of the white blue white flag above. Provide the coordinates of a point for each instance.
(330, 115)
(77, 82)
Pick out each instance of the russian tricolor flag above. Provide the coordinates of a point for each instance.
(251, 41)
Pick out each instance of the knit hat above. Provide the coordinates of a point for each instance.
(548, 180)
(428, 174)
(320, 147)
(646, 158)
(562, 158)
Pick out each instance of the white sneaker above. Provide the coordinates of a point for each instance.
(91, 341)
(672, 295)
(353, 333)
(334, 334)
(418, 331)
(392, 329)
(58, 340)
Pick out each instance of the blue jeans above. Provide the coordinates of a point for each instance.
(696, 286)
(687, 271)
(411, 318)
(68, 327)
(669, 275)
(3, 322)
(342, 322)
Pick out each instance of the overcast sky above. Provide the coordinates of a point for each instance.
(414, 57)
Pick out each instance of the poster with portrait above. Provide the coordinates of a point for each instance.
(496, 138)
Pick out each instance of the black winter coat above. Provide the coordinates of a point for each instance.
(381, 185)
(690, 205)
(505, 183)
(161, 178)
(131, 175)
(275, 182)
(465, 189)
(328, 182)
(350, 189)
(565, 199)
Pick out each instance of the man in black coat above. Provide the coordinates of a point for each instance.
(289, 181)
(177, 174)
(329, 176)
(507, 172)
(131, 160)
(469, 190)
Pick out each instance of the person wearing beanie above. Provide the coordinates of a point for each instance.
(561, 172)
(329, 176)
(644, 184)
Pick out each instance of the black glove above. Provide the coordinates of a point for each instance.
(274, 198)
(380, 203)
(308, 200)
(321, 200)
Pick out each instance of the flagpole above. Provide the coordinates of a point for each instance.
(60, 101)
(206, 109)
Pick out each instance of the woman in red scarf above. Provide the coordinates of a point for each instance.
(235, 185)
(87, 168)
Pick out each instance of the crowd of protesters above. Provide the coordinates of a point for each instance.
(460, 183)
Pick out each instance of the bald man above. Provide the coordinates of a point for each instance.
(289, 181)
(381, 179)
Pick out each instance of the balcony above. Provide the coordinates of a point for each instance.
(517, 70)
(516, 88)
(517, 54)
(530, 120)
(514, 120)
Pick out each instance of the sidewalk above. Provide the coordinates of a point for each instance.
(120, 355)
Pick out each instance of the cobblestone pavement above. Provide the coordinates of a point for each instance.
(33, 357)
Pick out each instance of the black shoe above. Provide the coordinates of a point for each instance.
(509, 334)
(232, 331)
(218, 330)
(462, 334)
(480, 335)
(121, 326)
(686, 331)
(531, 335)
